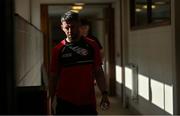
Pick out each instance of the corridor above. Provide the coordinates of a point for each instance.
(116, 107)
(140, 41)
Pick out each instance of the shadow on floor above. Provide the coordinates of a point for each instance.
(116, 107)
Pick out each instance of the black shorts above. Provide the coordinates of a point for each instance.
(66, 108)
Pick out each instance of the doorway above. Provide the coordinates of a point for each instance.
(101, 17)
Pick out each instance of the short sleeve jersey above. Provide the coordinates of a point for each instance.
(75, 63)
(96, 40)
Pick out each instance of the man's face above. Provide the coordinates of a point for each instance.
(84, 30)
(71, 29)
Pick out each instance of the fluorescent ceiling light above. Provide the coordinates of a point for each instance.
(77, 7)
(145, 6)
(138, 10)
(79, 4)
(77, 11)
(152, 6)
(160, 3)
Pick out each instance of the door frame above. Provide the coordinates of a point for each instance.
(111, 39)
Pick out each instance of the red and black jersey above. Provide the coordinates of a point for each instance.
(76, 53)
(75, 63)
(96, 40)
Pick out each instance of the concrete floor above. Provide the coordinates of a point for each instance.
(116, 107)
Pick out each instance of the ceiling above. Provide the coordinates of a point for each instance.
(88, 10)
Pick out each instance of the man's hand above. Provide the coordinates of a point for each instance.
(104, 104)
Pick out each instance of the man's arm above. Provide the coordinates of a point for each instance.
(102, 84)
(52, 80)
(100, 79)
(54, 68)
(52, 86)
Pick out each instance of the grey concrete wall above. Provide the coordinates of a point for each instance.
(22, 7)
(28, 53)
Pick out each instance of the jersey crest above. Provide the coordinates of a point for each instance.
(77, 53)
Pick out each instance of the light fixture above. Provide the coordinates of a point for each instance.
(144, 6)
(77, 7)
(153, 6)
(76, 11)
(160, 3)
(79, 4)
(138, 10)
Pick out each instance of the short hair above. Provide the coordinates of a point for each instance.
(70, 16)
(84, 22)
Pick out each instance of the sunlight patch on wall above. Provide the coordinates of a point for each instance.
(162, 95)
(157, 93)
(118, 74)
(169, 99)
(143, 86)
(128, 78)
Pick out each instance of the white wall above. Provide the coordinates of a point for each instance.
(152, 51)
(28, 47)
(118, 54)
(98, 27)
(35, 5)
(28, 54)
(22, 7)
